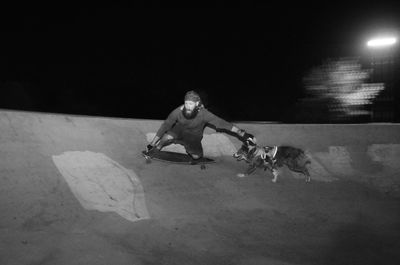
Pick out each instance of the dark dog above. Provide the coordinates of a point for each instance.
(272, 158)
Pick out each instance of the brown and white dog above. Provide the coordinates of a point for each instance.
(272, 158)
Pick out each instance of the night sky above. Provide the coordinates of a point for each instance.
(247, 64)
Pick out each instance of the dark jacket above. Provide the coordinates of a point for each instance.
(193, 126)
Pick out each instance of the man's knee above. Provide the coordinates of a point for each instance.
(196, 156)
(167, 137)
(165, 140)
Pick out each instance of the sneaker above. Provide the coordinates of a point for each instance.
(195, 161)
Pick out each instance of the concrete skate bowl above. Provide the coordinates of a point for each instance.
(75, 190)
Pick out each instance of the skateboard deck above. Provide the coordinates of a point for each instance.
(177, 158)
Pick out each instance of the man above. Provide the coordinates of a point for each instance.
(185, 125)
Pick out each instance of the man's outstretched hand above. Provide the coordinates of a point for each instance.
(149, 147)
(250, 139)
(247, 137)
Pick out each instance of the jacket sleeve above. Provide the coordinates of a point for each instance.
(217, 121)
(168, 123)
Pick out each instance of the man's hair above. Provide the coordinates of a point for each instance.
(192, 96)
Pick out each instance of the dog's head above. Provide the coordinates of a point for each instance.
(244, 151)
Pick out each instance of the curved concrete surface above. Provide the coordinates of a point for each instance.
(75, 190)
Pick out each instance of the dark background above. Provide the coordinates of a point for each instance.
(247, 64)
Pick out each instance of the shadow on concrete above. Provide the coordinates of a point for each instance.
(359, 243)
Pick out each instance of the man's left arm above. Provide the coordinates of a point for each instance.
(247, 137)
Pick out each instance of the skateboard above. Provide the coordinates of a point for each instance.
(177, 158)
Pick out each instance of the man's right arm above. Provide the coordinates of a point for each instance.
(155, 140)
(166, 125)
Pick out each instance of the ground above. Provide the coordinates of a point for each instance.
(195, 216)
(212, 217)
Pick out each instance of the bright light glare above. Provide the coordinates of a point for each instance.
(381, 42)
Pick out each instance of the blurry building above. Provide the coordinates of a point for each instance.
(383, 66)
(339, 91)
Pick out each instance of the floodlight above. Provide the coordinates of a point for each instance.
(381, 42)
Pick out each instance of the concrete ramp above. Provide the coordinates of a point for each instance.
(100, 183)
(364, 153)
(377, 165)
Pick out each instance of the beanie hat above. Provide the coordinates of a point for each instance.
(192, 96)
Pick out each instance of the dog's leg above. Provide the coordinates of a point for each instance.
(303, 171)
(269, 164)
(275, 173)
(306, 172)
(249, 170)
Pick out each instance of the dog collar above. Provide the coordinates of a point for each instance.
(274, 151)
(270, 152)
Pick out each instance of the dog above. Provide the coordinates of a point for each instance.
(272, 158)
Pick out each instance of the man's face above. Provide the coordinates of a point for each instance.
(189, 106)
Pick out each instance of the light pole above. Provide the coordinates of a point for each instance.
(381, 50)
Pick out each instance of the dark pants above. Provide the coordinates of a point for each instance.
(191, 142)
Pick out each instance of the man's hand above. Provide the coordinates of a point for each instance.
(240, 132)
(152, 144)
(247, 137)
(149, 147)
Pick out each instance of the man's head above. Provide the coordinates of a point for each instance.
(191, 106)
(192, 96)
